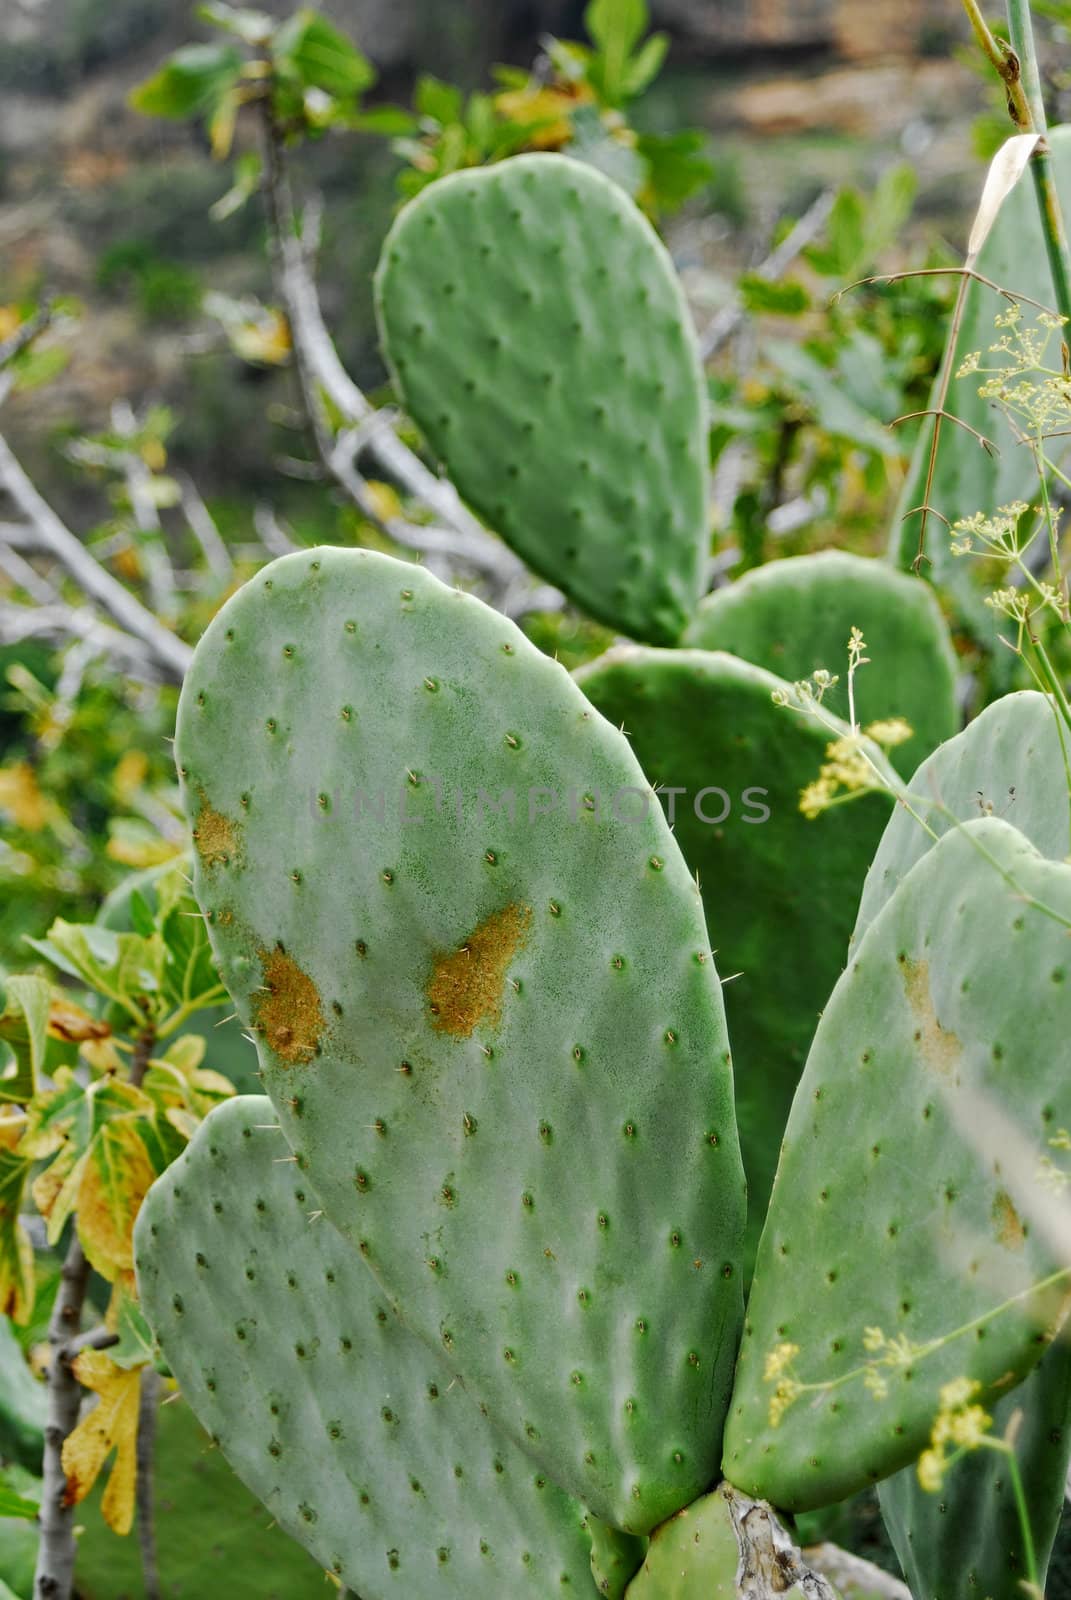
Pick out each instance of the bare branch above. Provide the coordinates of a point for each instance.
(720, 329)
(168, 650)
(148, 1405)
(321, 373)
(55, 1555)
(24, 334)
(203, 527)
(138, 478)
(853, 1577)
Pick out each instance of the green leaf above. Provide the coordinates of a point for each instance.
(23, 1029)
(392, 122)
(678, 166)
(616, 26)
(119, 966)
(645, 65)
(254, 27)
(439, 101)
(13, 1505)
(136, 1345)
(320, 56)
(35, 368)
(783, 298)
(190, 83)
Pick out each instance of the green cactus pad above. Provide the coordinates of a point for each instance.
(349, 1428)
(495, 1037)
(780, 894)
(615, 1557)
(538, 334)
(723, 1547)
(1008, 762)
(907, 1201)
(969, 478)
(795, 615)
(966, 1540)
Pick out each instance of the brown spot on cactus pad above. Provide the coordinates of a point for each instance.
(1007, 1224)
(288, 1011)
(939, 1047)
(465, 988)
(217, 838)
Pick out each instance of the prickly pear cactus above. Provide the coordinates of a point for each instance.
(780, 890)
(538, 334)
(795, 615)
(966, 1540)
(1009, 762)
(353, 1433)
(485, 1004)
(725, 1547)
(907, 1226)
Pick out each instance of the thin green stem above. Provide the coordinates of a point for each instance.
(1030, 1560)
(1021, 32)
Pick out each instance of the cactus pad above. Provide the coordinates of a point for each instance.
(539, 336)
(795, 615)
(348, 1427)
(1009, 762)
(486, 1007)
(966, 1540)
(907, 1227)
(780, 894)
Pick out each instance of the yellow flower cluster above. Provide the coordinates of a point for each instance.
(777, 1370)
(959, 1425)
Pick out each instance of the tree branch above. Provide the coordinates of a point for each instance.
(169, 651)
(853, 1577)
(24, 334)
(321, 373)
(138, 478)
(147, 1408)
(55, 1556)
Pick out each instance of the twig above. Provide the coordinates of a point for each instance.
(321, 373)
(55, 1555)
(24, 334)
(853, 1577)
(60, 622)
(273, 536)
(147, 1410)
(24, 575)
(100, 1338)
(168, 650)
(720, 328)
(138, 478)
(203, 527)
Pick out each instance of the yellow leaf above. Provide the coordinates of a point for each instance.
(102, 1055)
(21, 798)
(265, 342)
(212, 1083)
(385, 502)
(545, 110)
(111, 1425)
(117, 1176)
(130, 773)
(56, 1189)
(140, 853)
(10, 319)
(186, 1053)
(183, 1122)
(154, 456)
(16, 1252)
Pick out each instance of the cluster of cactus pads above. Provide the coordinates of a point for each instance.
(467, 1296)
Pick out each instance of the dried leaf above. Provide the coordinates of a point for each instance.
(111, 1425)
